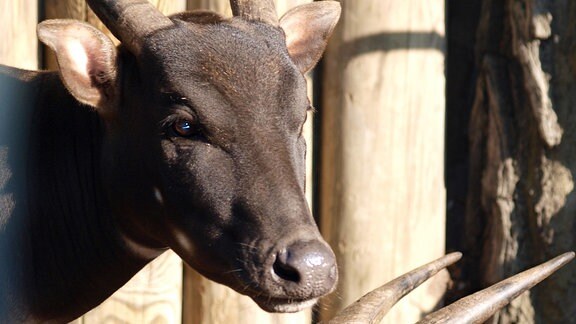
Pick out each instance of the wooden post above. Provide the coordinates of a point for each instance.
(382, 197)
(209, 302)
(19, 45)
(154, 294)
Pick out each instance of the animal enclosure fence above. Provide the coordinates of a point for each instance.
(375, 160)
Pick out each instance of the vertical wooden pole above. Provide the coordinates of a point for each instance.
(56, 9)
(382, 190)
(211, 303)
(19, 45)
(154, 294)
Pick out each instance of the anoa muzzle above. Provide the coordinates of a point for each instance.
(188, 136)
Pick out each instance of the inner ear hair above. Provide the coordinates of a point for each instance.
(307, 28)
(87, 60)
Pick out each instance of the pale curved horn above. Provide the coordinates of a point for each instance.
(480, 306)
(372, 307)
(260, 10)
(130, 20)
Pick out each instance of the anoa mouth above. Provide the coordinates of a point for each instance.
(283, 305)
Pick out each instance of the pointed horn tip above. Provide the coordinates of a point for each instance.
(448, 260)
(454, 256)
(260, 10)
(562, 259)
(372, 307)
(569, 256)
(496, 296)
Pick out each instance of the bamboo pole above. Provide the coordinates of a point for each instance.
(154, 294)
(211, 303)
(382, 192)
(19, 45)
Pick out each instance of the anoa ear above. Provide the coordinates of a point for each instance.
(307, 28)
(86, 58)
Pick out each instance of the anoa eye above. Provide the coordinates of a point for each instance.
(184, 127)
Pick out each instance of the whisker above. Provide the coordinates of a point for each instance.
(234, 270)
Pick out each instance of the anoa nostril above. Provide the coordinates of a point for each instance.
(283, 269)
(306, 263)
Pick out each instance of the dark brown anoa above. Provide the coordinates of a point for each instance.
(187, 137)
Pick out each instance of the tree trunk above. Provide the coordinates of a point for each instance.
(382, 190)
(521, 203)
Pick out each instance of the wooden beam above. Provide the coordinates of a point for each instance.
(58, 9)
(382, 187)
(19, 45)
(152, 296)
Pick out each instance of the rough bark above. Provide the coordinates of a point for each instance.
(521, 204)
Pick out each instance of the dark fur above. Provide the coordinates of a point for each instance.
(80, 212)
